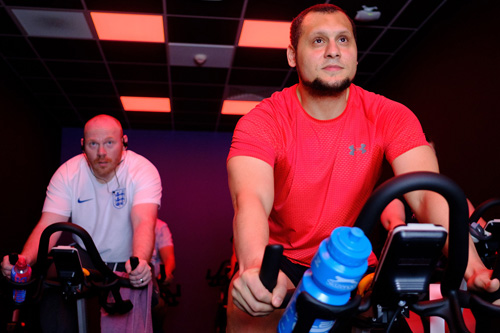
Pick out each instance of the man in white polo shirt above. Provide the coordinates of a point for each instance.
(112, 192)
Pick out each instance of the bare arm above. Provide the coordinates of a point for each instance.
(168, 258)
(252, 192)
(431, 207)
(30, 250)
(251, 182)
(393, 215)
(143, 218)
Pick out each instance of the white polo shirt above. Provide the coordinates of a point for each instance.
(103, 210)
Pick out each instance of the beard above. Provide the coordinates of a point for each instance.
(319, 88)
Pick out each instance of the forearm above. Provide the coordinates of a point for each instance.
(143, 222)
(435, 210)
(251, 235)
(143, 241)
(30, 249)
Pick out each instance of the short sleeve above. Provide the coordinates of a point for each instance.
(58, 197)
(402, 130)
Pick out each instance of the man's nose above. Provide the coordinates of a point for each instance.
(332, 50)
(101, 151)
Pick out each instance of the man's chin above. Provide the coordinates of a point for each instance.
(321, 88)
(101, 172)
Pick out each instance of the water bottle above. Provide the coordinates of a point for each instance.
(21, 272)
(336, 270)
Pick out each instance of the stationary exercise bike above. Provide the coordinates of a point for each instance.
(402, 283)
(72, 280)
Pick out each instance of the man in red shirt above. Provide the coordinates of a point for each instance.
(305, 161)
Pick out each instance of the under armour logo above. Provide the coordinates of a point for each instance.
(354, 149)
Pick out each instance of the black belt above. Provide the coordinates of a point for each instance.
(116, 266)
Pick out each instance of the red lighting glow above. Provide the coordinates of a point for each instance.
(268, 34)
(238, 107)
(147, 104)
(129, 27)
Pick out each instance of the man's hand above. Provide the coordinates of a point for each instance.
(481, 281)
(141, 275)
(250, 295)
(6, 267)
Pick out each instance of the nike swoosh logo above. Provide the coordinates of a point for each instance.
(82, 201)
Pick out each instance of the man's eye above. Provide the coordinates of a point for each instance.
(343, 39)
(318, 41)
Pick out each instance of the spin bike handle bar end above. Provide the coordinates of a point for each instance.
(271, 266)
(13, 257)
(134, 262)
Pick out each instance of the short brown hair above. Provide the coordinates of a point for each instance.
(295, 28)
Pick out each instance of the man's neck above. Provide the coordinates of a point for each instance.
(323, 107)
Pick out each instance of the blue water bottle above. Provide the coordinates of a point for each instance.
(336, 270)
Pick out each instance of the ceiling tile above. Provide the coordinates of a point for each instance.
(276, 10)
(78, 70)
(250, 93)
(253, 77)
(146, 89)
(143, 6)
(29, 67)
(58, 24)
(7, 25)
(64, 4)
(54, 101)
(198, 75)
(220, 56)
(196, 106)
(137, 72)
(134, 52)
(260, 58)
(227, 8)
(194, 91)
(42, 86)
(86, 87)
(66, 49)
(86, 101)
(16, 47)
(192, 30)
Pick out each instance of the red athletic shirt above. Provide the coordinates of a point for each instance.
(324, 170)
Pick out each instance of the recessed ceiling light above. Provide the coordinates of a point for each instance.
(269, 34)
(129, 27)
(147, 104)
(238, 107)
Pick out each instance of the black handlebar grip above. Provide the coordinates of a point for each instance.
(134, 262)
(271, 266)
(13, 257)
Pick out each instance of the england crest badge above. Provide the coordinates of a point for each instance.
(119, 198)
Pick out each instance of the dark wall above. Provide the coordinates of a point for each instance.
(450, 79)
(197, 207)
(30, 154)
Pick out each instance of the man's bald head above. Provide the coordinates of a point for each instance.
(103, 121)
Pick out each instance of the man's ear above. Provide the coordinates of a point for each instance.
(290, 55)
(125, 142)
(82, 144)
